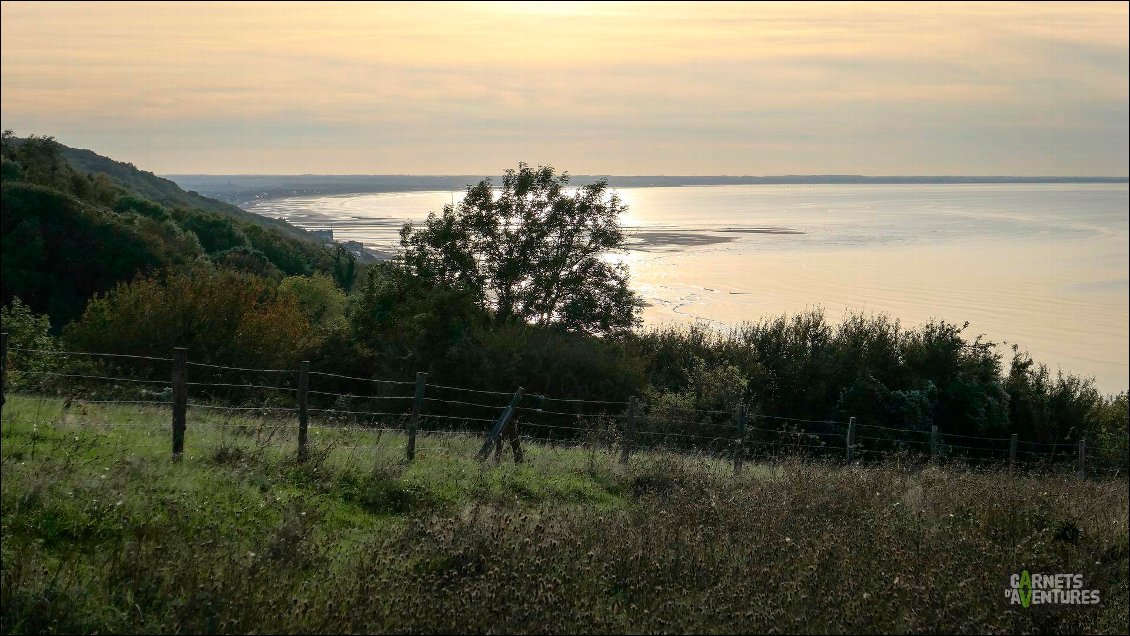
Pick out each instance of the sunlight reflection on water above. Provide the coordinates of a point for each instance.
(1042, 265)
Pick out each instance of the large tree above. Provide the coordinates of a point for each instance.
(532, 251)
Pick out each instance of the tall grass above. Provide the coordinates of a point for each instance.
(102, 532)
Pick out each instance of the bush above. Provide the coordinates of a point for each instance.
(223, 317)
(27, 330)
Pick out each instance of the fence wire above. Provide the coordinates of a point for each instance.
(450, 411)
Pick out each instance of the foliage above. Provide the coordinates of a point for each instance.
(344, 268)
(247, 259)
(1047, 409)
(26, 330)
(321, 301)
(406, 325)
(707, 388)
(532, 252)
(216, 233)
(871, 368)
(494, 297)
(1111, 430)
(59, 251)
(148, 186)
(68, 234)
(236, 538)
(222, 317)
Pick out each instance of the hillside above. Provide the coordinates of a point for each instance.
(76, 223)
(166, 192)
(103, 533)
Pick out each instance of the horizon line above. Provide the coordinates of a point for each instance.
(643, 176)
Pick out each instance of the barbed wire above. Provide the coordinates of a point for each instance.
(889, 428)
(241, 386)
(988, 439)
(529, 409)
(459, 388)
(97, 377)
(360, 397)
(1048, 444)
(377, 413)
(355, 378)
(245, 369)
(456, 417)
(161, 402)
(460, 403)
(88, 353)
(550, 399)
(529, 412)
(222, 407)
(796, 419)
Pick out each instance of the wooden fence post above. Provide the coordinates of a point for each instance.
(1012, 452)
(515, 441)
(1082, 468)
(303, 415)
(3, 370)
(933, 441)
(739, 449)
(629, 432)
(499, 426)
(417, 405)
(850, 449)
(180, 399)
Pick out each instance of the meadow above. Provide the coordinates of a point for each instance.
(103, 532)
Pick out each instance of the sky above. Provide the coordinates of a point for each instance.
(591, 88)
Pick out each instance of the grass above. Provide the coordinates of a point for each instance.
(102, 532)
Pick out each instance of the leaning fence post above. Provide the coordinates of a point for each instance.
(417, 404)
(510, 431)
(1082, 469)
(515, 441)
(303, 416)
(629, 432)
(1012, 452)
(850, 449)
(180, 399)
(739, 449)
(933, 441)
(3, 370)
(499, 426)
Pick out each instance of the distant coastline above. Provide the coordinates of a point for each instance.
(244, 189)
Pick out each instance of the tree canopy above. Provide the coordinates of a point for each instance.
(531, 251)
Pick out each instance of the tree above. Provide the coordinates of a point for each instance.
(221, 316)
(531, 251)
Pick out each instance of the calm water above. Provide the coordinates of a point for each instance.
(1045, 266)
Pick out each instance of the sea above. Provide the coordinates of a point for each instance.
(1043, 266)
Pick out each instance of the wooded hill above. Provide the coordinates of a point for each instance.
(75, 223)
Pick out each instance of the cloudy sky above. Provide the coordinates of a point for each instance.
(613, 88)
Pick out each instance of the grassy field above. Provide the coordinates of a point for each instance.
(103, 533)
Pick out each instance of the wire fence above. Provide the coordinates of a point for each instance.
(288, 407)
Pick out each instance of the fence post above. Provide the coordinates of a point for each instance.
(510, 432)
(417, 404)
(933, 441)
(850, 450)
(3, 370)
(180, 399)
(629, 432)
(499, 426)
(1082, 469)
(739, 449)
(303, 415)
(1012, 452)
(515, 441)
